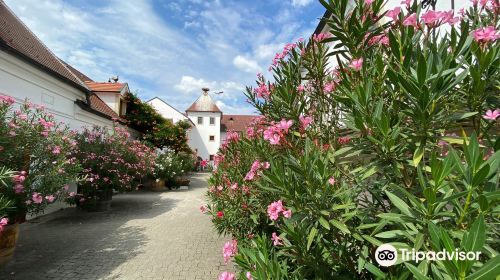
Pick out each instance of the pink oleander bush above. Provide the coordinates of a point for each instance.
(110, 161)
(36, 149)
(383, 130)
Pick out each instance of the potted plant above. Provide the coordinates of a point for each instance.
(35, 148)
(111, 161)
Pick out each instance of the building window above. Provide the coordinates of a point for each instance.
(212, 121)
(211, 138)
(211, 157)
(200, 120)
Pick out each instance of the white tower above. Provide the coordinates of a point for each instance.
(204, 137)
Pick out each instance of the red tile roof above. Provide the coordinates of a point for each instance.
(15, 37)
(236, 123)
(204, 103)
(105, 87)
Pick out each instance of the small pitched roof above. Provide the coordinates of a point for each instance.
(16, 38)
(105, 87)
(204, 103)
(236, 123)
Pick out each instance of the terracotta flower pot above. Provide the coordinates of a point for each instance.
(8, 241)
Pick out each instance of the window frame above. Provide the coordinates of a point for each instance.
(199, 120)
(210, 138)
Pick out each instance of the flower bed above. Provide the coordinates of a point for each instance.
(348, 158)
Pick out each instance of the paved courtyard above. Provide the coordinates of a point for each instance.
(146, 235)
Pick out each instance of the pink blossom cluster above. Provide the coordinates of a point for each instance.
(320, 37)
(231, 137)
(229, 250)
(7, 100)
(381, 39)
(283, 54)
(3, 222)
(344, 140)
(227, 276)
(277, 241)
(255, 169)
(254, 128)
(486, 34)
(276, 208)
(263, 91)
(276, 131)
(305, 121)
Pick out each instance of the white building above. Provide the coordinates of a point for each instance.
(209, 125)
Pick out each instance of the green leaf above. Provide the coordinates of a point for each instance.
(340, 226)
(414, 270)
(476, 235)
(324, 223)
(400, 204)
(374, 270)
(417, 156)
(489, 270)
(311, 236)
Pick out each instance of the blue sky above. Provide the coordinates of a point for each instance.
(171, 48)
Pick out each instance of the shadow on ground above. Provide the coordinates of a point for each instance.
(73, 244)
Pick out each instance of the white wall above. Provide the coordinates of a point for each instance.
(21, 80)
(167, 111)
(112, 99)
(199, 134)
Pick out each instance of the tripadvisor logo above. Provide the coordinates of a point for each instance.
(387, 255)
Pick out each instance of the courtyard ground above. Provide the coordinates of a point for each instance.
(146, 235)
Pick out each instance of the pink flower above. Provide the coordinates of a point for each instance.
(344, 140)
(331, 181)
(203, 209)
(50, 198)
(227, 276)
(37, 198)
(66, 187)
(18, 188)
(491, 115)
(368, 2)
(329, 87)
(3, 222)
(276, 239)
(249, 275)
(265, 165)
(411, 20)
(72, 194)
(300, 88)
(285, 125)
(406, 2)
(394, 13)
(229, 250)
(220, 214)
(250, 175)
(234, 186)
(287, 213)
(320, 37)
(18, 178)
(305, 121)
(485, 34)
(274, 209)
(56, 150)
(357, 64)
(245, 189)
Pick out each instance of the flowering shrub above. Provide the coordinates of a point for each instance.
(365, 151)
(36, 148)
(111, 160)
(170, 165)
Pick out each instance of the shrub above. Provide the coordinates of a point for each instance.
(111, 161)
(171, 165)
(36, 148)
(367, 152)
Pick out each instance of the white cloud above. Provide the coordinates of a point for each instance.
(236, 110)
(190, 84)
(301, 3)
(246, 64)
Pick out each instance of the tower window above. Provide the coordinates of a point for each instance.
(200, 120)
(212, 120)
(211, 138)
